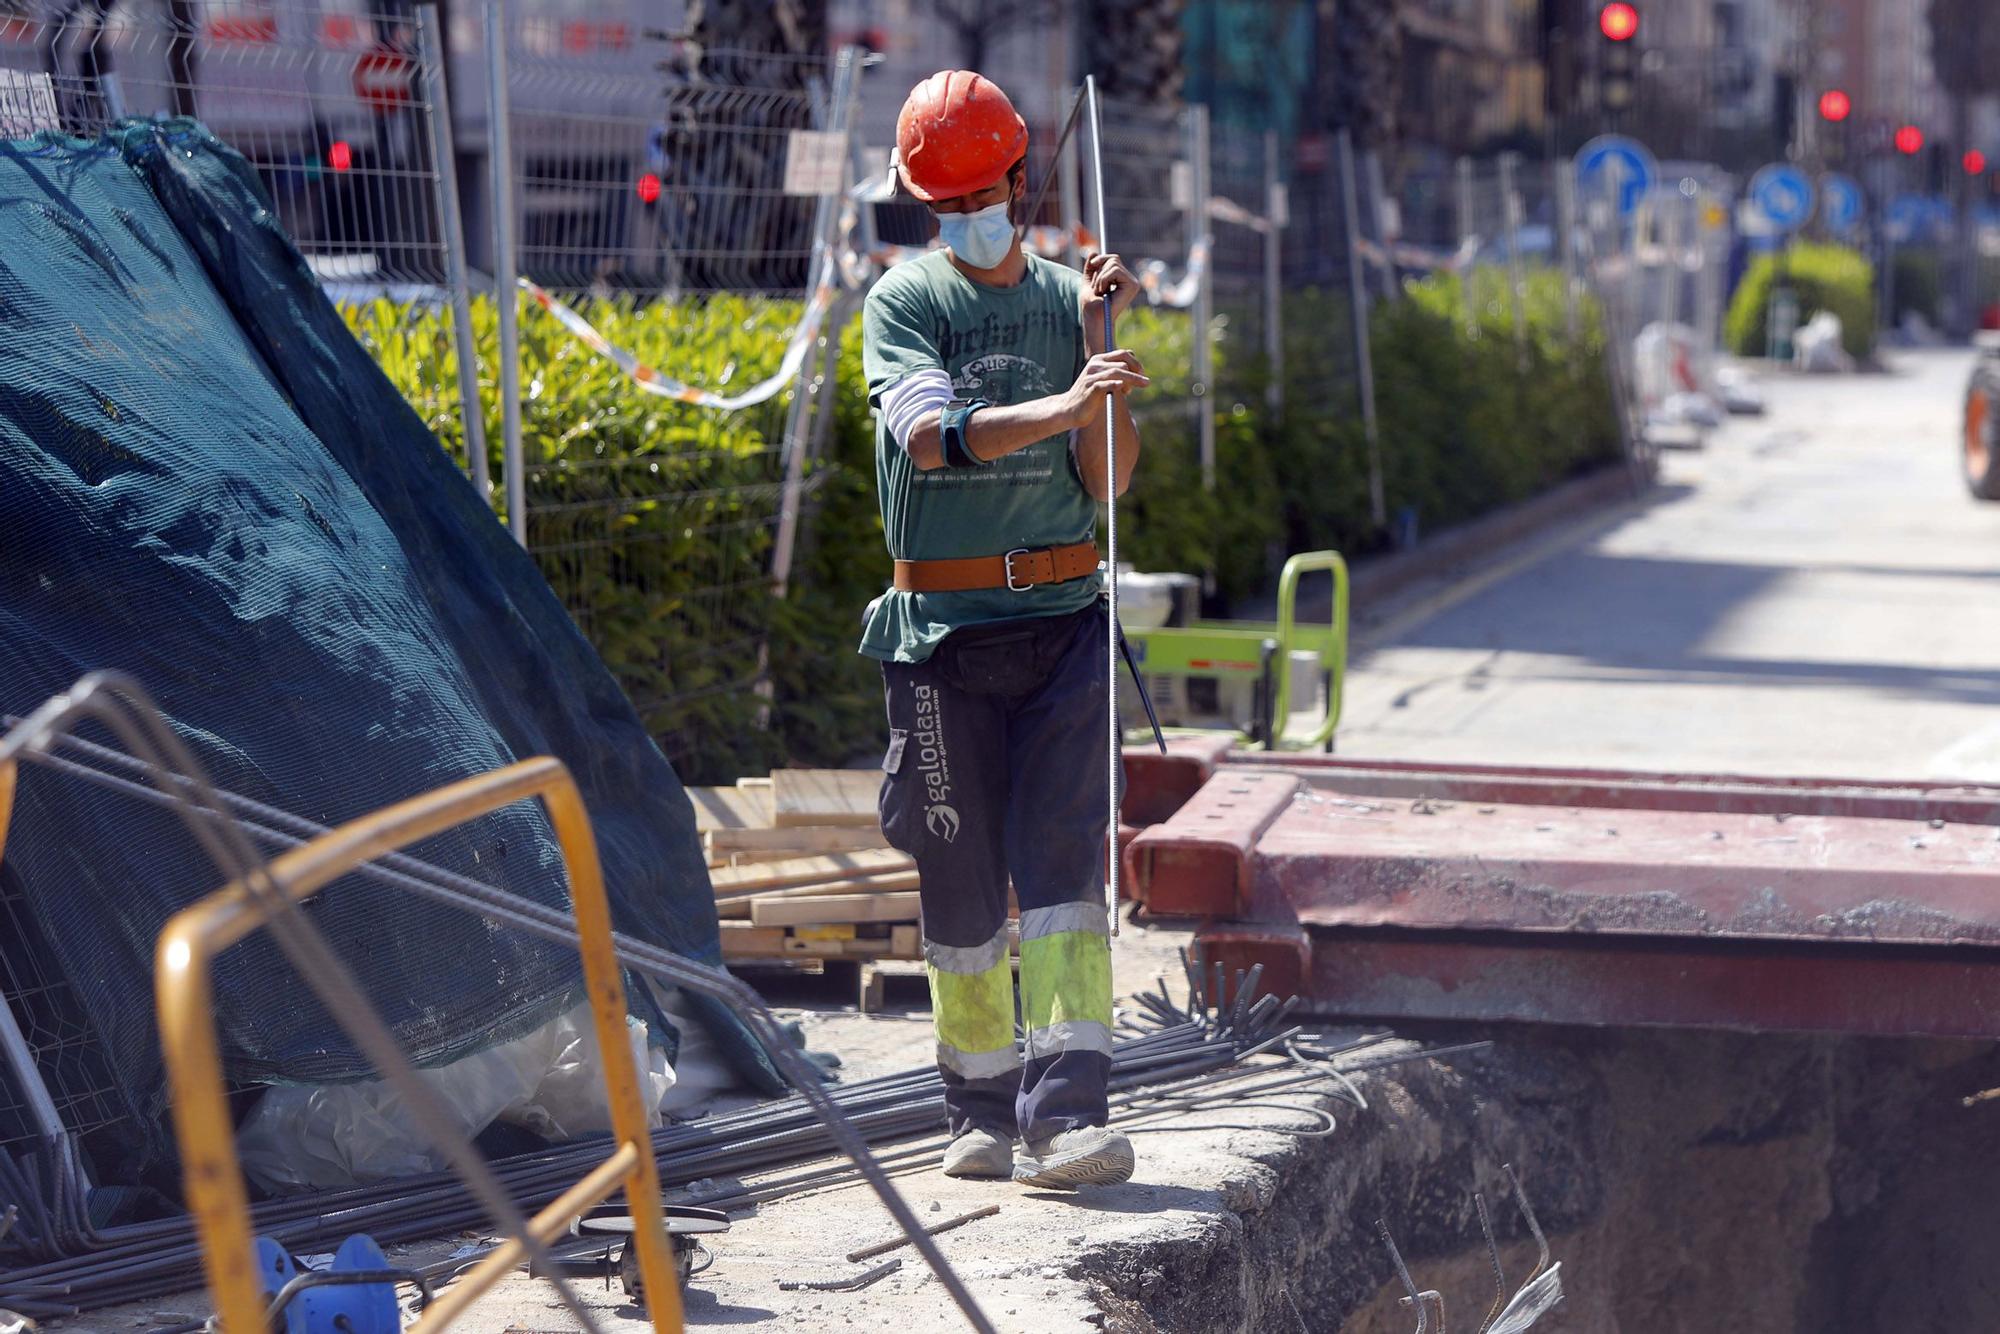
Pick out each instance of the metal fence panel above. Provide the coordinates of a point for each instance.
(675, 209)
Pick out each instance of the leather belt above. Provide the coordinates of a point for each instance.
(1018, 570)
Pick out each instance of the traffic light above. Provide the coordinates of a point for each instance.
(1616, 62)
(1909, 141)
(1834, 105)
(1974, 162)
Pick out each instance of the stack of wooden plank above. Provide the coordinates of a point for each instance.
(801, 871)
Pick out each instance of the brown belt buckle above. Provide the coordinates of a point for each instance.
(1008, 563)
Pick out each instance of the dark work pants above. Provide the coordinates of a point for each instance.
(995, 767)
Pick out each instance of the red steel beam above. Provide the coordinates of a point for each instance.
(1959, 803)
(1198, 863)
(1340, 860)
(1887, 991)
(1473, 892)
(1157, 785)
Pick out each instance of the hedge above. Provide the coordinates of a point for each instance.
(640, 503)
(1826, 277)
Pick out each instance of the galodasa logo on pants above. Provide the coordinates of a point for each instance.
(934, 766)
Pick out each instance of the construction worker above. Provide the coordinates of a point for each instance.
(988, 374)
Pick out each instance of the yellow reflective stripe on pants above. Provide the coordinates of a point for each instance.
(972, 1005)
(1066, 991)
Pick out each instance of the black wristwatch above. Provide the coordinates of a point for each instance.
(951, 433)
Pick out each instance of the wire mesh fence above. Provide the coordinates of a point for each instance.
(1155, 166)
(328, 105)
(681, 226)
(51, 1019)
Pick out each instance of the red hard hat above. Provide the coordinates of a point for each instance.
(957, 133)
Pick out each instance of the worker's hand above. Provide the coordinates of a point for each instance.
(1108, 372)
(1104, 274)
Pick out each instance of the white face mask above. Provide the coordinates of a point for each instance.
(981, 239)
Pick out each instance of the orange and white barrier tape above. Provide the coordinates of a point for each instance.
(1159, 289)
(655, 381)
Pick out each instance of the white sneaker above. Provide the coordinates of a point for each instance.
(1089, 1156)
(980, 1155)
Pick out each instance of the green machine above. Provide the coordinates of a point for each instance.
(1276, 685)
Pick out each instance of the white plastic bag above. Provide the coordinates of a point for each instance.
(1816, 346)
(570, 1100)
(330, 1136)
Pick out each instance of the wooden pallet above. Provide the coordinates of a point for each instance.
(801, 870)
(746, 940)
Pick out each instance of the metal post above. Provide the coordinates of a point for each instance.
(1276, 210)
(1707, 295)
(505, 287)
(826, 212)
(1468, 244)
(1517, 279)
(1203, 388)
(837, 317)
(451, 235)
(1114, 759)
(1566, 224)
(1371, 163)
(1670, 267)
(1357, 300)
(1887, 317)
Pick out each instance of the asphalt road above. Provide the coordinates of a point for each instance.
(1812, 593)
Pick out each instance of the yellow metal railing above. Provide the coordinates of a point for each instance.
(183, 987)
(6, 800)
(1332, 643)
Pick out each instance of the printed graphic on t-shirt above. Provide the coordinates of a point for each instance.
(1002, 377)
(999, 378)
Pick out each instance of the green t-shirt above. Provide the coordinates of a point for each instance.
(1006, 345)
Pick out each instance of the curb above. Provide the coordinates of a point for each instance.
(1377, 579)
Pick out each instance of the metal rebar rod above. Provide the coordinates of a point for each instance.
(1114, 740)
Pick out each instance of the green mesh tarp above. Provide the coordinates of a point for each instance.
(206, 482)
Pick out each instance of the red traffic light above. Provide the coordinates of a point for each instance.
(1619, 22)
(1974, 162)
(1834, 104)
(648, 188)
(339, 155)
(1910, 140)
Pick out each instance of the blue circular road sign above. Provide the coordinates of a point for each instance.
(1841, 203)
(1783, 195)
(1617, 166)
(1908, 217)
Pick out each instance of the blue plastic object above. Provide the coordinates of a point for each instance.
(362, 1308)
(275, 1268)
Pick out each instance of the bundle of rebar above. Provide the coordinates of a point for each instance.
(1169, 1061)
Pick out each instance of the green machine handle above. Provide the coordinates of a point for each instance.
(1310, 562)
